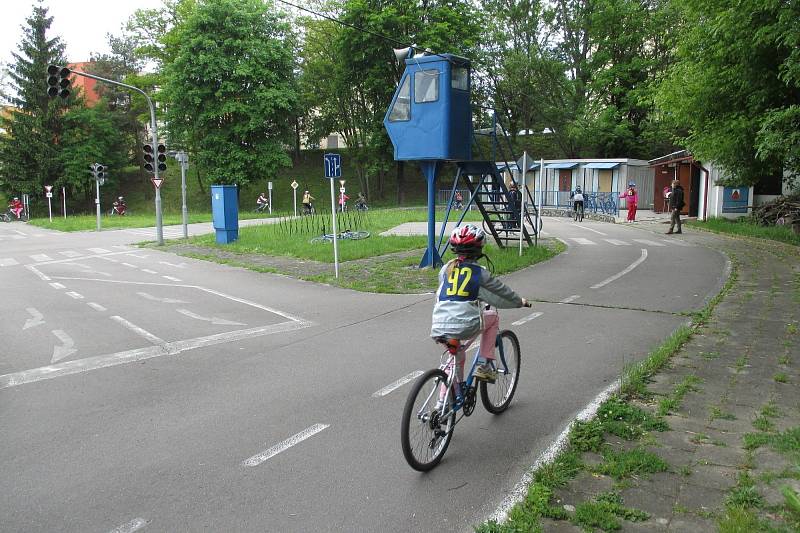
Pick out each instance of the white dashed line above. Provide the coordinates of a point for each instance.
(134, 525)
(179, 265)
(171, 278)
(649, 243)
(99, 250)
(285, 445)
(581, 240)
(129, 265)
(619, 275)
(75, 295)
(590, 229)
(397, 384)
(615, 242)
(527, 318)
(36, 271)
(41, 257)
(96, 307)
(57, 286)
(149, 271)
(109, 259)
(8, 261)
(139, 331)
(70, 253)
(569, 299)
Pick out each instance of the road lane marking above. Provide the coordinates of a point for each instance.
(569, 299)
(96, 307)
(528, 318)
(149, 271)
(129, 265)
(70, 253)
(41, 257)
(66, 349)
(397, 384)
(649, 243)
(57, 286)
(179, 265)
(140, 354)
(134, 525)
(37, 318)
(18, 232)
(285, 445)
(152, 298)
(615, 242)
(37, 272)
(158, 341)
(591, 229)
(76, 295)
(99, 250)
(213, 319)
(109, 259)
(581, 240)
(171, 278)
(520, 490)
(620, 274)
(8, 261)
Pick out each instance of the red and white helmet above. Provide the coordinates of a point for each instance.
(467, 240)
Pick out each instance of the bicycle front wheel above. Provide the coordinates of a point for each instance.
(427, 426)
(497, 396)
(318, 240)
(356, 235)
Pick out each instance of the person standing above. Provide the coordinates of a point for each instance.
(632, 198)
(676, 203)
(515, 202)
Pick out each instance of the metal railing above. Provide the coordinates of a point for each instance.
(595, 202)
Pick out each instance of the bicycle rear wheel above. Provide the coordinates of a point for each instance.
(318, 240)
(425, 431)
(497, 396)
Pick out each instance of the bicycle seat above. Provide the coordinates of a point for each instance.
(452, 345)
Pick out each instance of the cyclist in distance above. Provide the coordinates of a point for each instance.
(262, 203)
(16, 207)
(307, 199)
(466, 290)
(576, 197)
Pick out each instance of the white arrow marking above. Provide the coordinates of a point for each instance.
(619, 275)
(66, 349)
(162, 300)
(37, 320)
(213, 320)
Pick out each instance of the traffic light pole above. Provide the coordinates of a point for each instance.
(154, 128)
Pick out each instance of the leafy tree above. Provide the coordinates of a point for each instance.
(30, 147)
(231, 88)
(735, 86)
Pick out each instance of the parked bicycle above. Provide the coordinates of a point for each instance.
(437, 398)
(345, 235)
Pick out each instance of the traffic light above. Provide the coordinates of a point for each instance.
(162, 158)
(58, 81)
(100, 171)
(149, 160)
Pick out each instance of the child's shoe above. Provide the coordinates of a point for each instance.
(485, 372)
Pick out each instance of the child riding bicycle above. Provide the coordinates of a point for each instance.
(466, 290)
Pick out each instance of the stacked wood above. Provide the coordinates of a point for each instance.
(782, 210)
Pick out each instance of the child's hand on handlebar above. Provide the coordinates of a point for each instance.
(525, 303)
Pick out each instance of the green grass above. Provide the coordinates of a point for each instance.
(747, 228)
(781, 377)
(604, 513)
(89, 222)
(673, 401)
(628, 463)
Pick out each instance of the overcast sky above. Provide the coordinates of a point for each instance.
(81, 24)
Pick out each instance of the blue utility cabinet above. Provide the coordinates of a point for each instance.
(225, 212)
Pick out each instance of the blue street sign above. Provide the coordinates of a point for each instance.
(333, 166)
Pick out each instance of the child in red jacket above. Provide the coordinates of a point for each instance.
(633, 200)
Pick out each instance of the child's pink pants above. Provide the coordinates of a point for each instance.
(491, 323)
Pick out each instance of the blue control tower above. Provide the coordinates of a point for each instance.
(430, 121)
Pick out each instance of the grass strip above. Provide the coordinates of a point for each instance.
(748, 228)
(89, 222)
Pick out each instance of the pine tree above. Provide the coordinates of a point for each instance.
(29, 150)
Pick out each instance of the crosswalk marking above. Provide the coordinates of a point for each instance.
(70, 253)
(615, 242)
(99, 251)
(8, 261)
(581, 240)
(41, 257)
(649, 243)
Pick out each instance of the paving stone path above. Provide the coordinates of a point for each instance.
(734, 433)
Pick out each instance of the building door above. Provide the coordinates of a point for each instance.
(663, 178)
(604, 179)
(564, 179)
(685, 177)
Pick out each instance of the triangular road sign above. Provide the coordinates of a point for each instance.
(48, 188)
(157, 182)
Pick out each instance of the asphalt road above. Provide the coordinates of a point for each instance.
(144, 391)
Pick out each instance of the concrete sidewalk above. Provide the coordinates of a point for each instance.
(731, 401)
